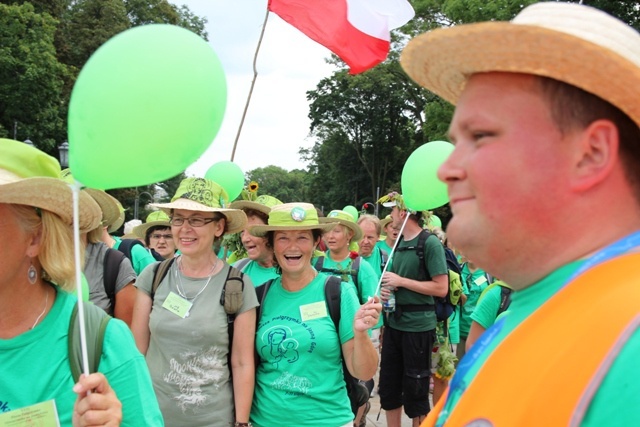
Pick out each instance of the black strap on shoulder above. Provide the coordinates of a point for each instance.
(384, 257)
(112, 260)
(126, 245)
(419, 248)
(95, 320)
(505, 299)
(159, 273)
(319, 263)
(353, 272)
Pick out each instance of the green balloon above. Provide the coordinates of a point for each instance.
(421, 189)
(353, 211)
(229, 176)
(145, 106)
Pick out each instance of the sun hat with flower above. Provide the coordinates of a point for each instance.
(343, 218)
(572, 43)
(204, 195)
(31, 177)
(262, 203)
(154, 219)
(291, 217)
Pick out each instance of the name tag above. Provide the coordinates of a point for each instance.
(42, 414)
(480, 280)
(312, 311)
(177, 305)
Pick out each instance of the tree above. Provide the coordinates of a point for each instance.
(277, 182)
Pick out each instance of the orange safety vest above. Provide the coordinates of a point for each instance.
(567, 345)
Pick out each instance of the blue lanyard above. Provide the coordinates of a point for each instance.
(479, 347)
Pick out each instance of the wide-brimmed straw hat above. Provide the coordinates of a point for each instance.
(346, 219)
(30, 177)
(572, 43)
(109, 205)
(262, 204)
(383, 224)
(154, 219)
(291, 217)
(204, 195)
(118, 223)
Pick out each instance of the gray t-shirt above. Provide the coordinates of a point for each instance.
(94, 272)
(188, 357)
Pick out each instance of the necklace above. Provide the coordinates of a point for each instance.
(46, 301)
(180, 288)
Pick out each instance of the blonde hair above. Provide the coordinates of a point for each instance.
(56, 244)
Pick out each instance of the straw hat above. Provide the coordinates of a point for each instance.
(118, 223)
(30, 177)
(204, 195)
(154, 219)
(383, 223)
(262, 204)
(572, 43)
(291, 217)
(346, 219)
(108, 204)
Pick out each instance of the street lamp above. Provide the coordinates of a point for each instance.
(137, 200)
(63, 149)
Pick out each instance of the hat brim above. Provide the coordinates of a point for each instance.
(383, 225)
(357, 231)
(262, 230)
(140, 231)
(246, 204)
(444, 59)
(390, 204)
(116, 225)
(108, 205)
(236, 219)
(53, 195)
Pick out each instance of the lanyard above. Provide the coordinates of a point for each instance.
(458, 385)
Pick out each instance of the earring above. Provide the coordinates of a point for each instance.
(32, 274)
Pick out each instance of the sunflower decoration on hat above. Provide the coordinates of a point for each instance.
(249, 200)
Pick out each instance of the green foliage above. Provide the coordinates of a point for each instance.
(277, 182)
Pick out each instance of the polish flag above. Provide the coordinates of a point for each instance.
(355, 30)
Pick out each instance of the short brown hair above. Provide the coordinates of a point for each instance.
(573, 108)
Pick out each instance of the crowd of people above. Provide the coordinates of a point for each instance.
(543, 186)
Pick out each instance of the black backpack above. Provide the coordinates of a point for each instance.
(112, 260)
(126, 245)
(355, 268)
(443, 306)
(384, 258)
(357, 392)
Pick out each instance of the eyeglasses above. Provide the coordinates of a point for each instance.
(162, 236)
(193, 221)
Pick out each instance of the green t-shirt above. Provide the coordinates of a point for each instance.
(367, 280)
(454, 326)
(617, 399)
(35, 368)
(299, 379)
(472, 285)
(256, 272)
(382, 244)
(406, 264)
(486, 309)
(139, 254)
(375, 261)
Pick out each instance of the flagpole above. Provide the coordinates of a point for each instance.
(253, 83)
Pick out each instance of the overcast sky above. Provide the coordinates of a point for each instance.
(289, 64)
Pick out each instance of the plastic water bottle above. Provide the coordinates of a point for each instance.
(389, 306)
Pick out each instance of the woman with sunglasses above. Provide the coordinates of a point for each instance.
(182, 326)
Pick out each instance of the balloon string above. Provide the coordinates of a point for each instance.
(395, 245)
(76, 252)
(253, 83)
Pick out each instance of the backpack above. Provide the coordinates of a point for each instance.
(240, 265)
(505, 295)
(95, 320)
(126, 245)
(355, 267)
(231, 298)
(356, 390)
(112, 260)
(384, 257)
(444, 306)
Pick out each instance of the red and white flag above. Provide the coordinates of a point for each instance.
(355, 30)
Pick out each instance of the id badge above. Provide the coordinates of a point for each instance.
(312, 311)
(177, 305)
(43, 414)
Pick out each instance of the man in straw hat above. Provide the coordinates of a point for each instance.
(409, 332)
(544, 189)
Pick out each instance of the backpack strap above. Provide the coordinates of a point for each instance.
(261, 293)
(112, 260)
(96, 321)
(126, 245)
(419, 248)
(505, 299)
(242, 264)
(319, 263)
(159, 273)
(231, 299)
(355, 269)
(384, 258)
